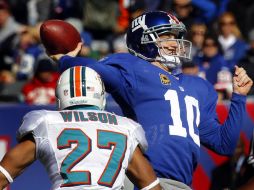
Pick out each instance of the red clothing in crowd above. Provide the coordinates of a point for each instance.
(40, 93)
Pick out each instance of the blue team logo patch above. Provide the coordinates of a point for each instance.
(164, 79)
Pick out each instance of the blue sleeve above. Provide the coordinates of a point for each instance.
(222, 7)
(67, 62)
(207, 7)
(240, 49)
(116, 70)
(110, 75)
(222, 138)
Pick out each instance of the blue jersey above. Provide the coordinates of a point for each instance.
(176, 112)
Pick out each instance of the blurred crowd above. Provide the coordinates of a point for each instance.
(221, 31)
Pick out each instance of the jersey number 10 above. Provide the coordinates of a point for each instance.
(177, 127)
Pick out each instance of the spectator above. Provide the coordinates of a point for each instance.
(29, 50)
(41, 89)
(100, 17)
(10, 88)
(9, 31)
(247, 61)
(224, 84)
(123, 17)
(231, 170)
(119, 44)
(213, 67)
(183, 10)
(19, 10)
(190, 68)
(85, 36)
(38, 11)
(197, 36)
(249, 169)
(222, 6)
(63, 9)
(244, 12)
(230, 38)
(136, 8)
(211, 61)
(157, 5)
(189, 11)
(238, 171)
(6, 77)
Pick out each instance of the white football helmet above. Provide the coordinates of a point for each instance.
(80, 86)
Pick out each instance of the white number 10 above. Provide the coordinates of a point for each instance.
(177, 127)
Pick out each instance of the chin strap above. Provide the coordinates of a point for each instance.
(174, 69)
(169, 61)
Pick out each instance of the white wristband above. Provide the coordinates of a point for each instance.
(153, 184)
(6, 174)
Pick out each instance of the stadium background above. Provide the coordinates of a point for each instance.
(102, 24)
(35, 176)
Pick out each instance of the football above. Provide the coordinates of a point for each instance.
(59, 37)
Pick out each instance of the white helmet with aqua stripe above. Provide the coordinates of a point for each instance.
(80, 86)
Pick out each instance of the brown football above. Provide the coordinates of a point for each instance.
(59, 37)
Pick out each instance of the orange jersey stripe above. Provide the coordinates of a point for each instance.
(78, 81)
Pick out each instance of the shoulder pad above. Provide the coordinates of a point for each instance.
(139, 135)
(30, 122)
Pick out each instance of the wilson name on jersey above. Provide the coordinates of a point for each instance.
(83, 149)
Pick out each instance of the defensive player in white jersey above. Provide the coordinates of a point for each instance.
(81, 146)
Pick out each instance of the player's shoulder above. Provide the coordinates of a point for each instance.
(195, 81)
(199, 88)
(35, 115)
(134, 130)
(133, 126)
(121, 59)
(193, 78)
(125, 122)
(119, 56)
(34, 120)
(42, 115)
(30, 122)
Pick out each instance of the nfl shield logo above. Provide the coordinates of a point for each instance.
(164, 79)
(66, 92)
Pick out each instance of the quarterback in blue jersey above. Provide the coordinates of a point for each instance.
(177, 112)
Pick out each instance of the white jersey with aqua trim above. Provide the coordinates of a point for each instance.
(83, 149)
